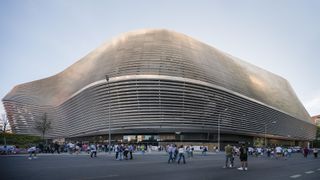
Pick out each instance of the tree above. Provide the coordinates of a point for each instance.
(316, 142)
(4, 120)
(43, 125)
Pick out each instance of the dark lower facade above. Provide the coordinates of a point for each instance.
(195, 139)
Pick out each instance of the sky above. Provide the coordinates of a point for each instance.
(42, 38)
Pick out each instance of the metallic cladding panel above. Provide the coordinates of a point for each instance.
(159, 53)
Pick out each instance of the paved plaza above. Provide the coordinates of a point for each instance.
(154, 166)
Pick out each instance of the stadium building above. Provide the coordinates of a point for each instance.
(159, 86)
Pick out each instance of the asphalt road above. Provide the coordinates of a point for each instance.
(154, 166)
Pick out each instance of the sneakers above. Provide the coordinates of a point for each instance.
(243, 169)
(240, 169)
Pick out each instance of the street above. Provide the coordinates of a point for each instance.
(155, 166)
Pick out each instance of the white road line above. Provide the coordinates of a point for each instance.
(295, 176)
(319, 169)
(100, 177)
(309, 172)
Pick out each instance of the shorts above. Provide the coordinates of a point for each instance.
(243, 157)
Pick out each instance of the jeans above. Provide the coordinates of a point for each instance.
(170, 157)
(229, 158)
(181, 155)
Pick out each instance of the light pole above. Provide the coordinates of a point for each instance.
(107, 79)
(219, 128)
(265, 133)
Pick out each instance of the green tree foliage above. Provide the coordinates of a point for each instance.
(20, 140)
(43, 125)
(316, 142)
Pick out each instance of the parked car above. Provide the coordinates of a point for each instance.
(9, 149)
(296, 149)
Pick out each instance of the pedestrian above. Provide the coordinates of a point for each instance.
(130, 151)
(117, 149)
(125, 152)
(289, 151)
(315, 152)
(56, 148)
(121, 150)
(243, 157)
(204, 150)
(181, 155)
(175, 152)
(278, 152)
(305, 152)
(229, 155)
(268, 152)
(93, 150)
(188, 150)
(192, 149)
(143, 148)
(32, 151)
(170, 151)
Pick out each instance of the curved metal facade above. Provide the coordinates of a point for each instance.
(160, 82)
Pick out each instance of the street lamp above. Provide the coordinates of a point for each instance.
(219, 128)
(107, 79)
(265, 132)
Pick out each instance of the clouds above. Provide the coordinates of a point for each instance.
(313, 104)
(1, 109)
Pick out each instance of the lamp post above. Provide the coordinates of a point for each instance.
(179, 133)
(107, 79)
(265, 133)
(219, 128)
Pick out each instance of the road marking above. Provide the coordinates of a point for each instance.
(309, 172)
(100, 177)
(319, 169)
(295, 176)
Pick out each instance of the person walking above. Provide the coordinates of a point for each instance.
(229, 155)
(175, 152)
(130, 151)
(117, 149)
(170, 151)
(315, 152)
(93, 150)
(181, 155)
(305, 152)
(243, 157)
(125, 152)
(56, 148)
(32, 151)
(279, 152)
(204, 150)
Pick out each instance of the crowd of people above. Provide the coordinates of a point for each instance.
(176, 153)
(277, 152)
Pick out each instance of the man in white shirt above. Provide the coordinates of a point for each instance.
(181, 154)
(32, 150)
(278, 151)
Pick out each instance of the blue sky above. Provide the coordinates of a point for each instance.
(41, 38)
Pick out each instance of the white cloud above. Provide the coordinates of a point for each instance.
(1, 108)
(313, 105)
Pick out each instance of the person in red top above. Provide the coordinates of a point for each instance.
(305, 152)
